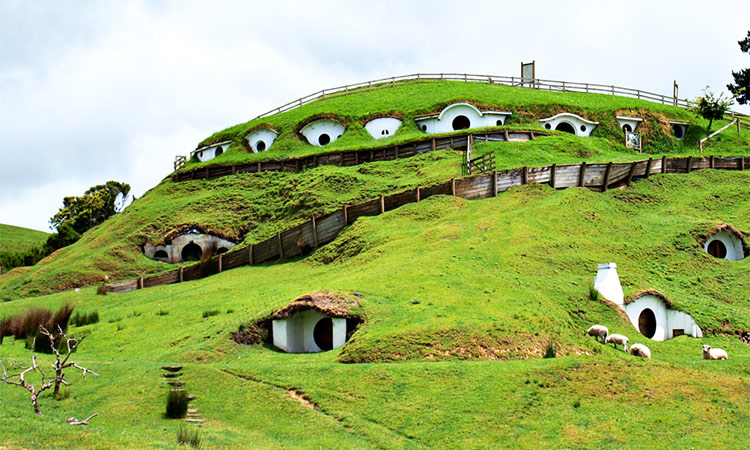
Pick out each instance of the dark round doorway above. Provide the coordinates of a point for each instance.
(647, 323)
(717, 249)
(627, 128)
(565, 127)
(461, 123)
(260, 146)
(323, 334)
(161, 254)
(219, 151)
(191, 252)
(324, 139)
(677, 131)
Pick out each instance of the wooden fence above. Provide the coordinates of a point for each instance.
(418, 78)
(458, 141)
(321, 230)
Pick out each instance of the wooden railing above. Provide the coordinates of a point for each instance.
(321, 230)
(418, 78)
(457, 141)
(483, 164)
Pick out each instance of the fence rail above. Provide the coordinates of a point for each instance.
(321, 230)
(457, 141)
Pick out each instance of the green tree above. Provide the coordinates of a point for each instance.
(711, 107)
(740, 89)
(95, 206)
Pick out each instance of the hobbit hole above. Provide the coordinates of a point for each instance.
(191, 252)
(187, 247)
(647, 323)
(382, 127)
(161, 254)
(565, 127)
(652, 314)
(679, 129)
(323, 334)
(322, 131)
(261, 139)
(569, 123)
(461, 123)
(460, 116)
(726, 243)
(717, 249)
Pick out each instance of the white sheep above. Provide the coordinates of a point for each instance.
(618, 339)
(598, 331)
(640, 350)
(713, 353)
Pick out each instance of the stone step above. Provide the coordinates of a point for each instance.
(171, 375)
(193, 415)
(178, 390)
(175, 383)
(171, 368)
(194, 420)
(192, 410)
(191, 396)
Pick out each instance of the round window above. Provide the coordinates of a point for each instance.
(583, 128)
(424, 127)
(547, 126)
(717, 249)
(324, 139)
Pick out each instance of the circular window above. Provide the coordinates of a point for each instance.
(191, 252)
(583, 128)
(424, 127)
(565, 127)
(260, 146)
(647, 323)
(324, 139)
(547, 126)
(717, 249)
(461, 123)
(219, 151)
(161, 254)
(200, 154)
(627, 128)
(678, 131)
(499, 123)
(323, 334)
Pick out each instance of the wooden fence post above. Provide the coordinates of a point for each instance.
(689, 165)
(419, 195)
(648, 167)
(346, 215)
(525, 175)
(281, 247)
(315, 232)
(494, 183)
(581, 174)
(221, 262)
(631, 173)
(453, 187)
(663, 164)
(742, 163)
(711, 161)
(234, 170)
(140, 282)
(251, 261)
(433, 144)
(606, 176)
(257, 169)
(382, 204)
(553, 169)
(182, 277)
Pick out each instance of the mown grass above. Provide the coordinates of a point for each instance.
(19, 239)
(462, 297)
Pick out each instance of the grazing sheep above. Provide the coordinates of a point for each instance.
(598, 331)
(618, 339)
(640, 350)
(713, 353)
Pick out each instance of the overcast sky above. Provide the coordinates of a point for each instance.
(92, 91)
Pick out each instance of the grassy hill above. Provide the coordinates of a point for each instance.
(460, 299)
(19, 239)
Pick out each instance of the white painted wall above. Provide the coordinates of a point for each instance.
(209, 152)
(666, 319)
(314, 130)
(295, 334)
(382, 127)
(262, 136)
(582, 127)
(730, 241)
(443, 122)
(607, 282)
(632, 121)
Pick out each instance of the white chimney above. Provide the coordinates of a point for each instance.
(608, 283)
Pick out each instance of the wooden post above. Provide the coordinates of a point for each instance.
(140, 282)
(433, 144)
(663, 164)
(234, 170)
(382, 204)
(315, 160)
(419, 194)
(341, 158)
(251, 261)
(494, 183)
(315, 232)
(258, 169)
(221, 262)
(689, 165)
(711, 161)
(552, 171)
(207, 172)
(281, 247)
(452, 143)
(453, 187)
(648, 166)
(283, 164)
(356, 158)
(182, 277)
(192, 174)
(346, 215)
(396, 152)
(631, 173)
(505, 134)
(372, 157)
(606, 177)
(525, 175)
(581, 174)
(742, 163)
(531, 135)
(296, 161)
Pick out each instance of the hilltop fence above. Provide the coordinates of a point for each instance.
(457, 141)
(319, 231)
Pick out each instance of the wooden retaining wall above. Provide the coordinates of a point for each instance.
(355, 157)
(321, 230)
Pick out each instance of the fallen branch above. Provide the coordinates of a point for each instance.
(74, 421)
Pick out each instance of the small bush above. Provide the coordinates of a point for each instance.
(102, 290)
(162, 312)
(550, 351)
(210, 313)
(594, 295)
(186, 436)
(177, 403)
(116, 319)
(230, 311)
(577, 403)
(120, 326)
(62, 394)
(81, 319)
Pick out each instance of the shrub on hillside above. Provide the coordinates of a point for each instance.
(81, 319)
(27, 323)
(177, 403)
(186, 436)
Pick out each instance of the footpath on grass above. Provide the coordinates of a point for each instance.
(318, 231)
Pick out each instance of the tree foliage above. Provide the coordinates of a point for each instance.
(711, 107)
(740, 89)
(95, 206)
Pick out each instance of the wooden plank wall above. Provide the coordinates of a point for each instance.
(319, 231)
(353, 157)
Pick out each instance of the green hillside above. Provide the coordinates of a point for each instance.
(19, 239)
(461, 299)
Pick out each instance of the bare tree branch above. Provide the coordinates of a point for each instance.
(74, 421)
